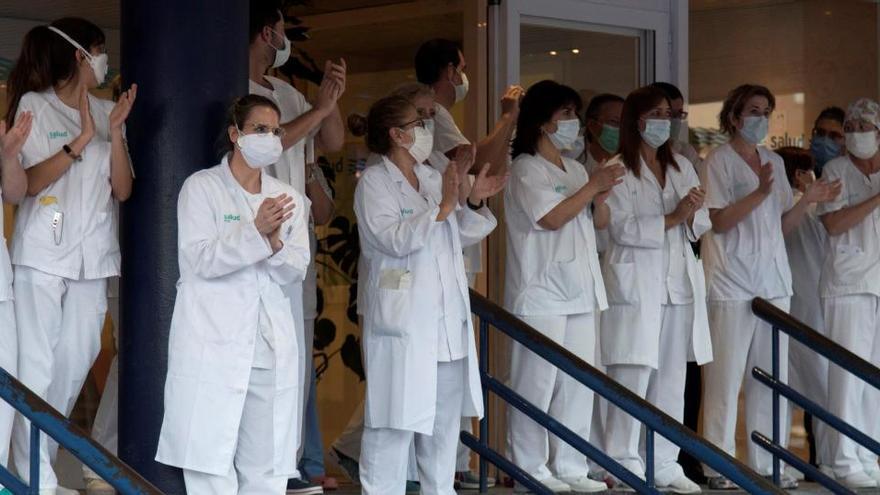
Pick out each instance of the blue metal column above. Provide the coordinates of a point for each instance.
(189, 60)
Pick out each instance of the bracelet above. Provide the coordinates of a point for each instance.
(67, 149)
(473, 206)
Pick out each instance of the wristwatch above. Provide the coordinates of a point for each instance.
(67, 149)
(473, 206)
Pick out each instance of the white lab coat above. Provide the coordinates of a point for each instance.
(633, 268)
(227, 270)
(398, 231)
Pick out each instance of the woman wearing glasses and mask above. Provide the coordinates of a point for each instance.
(419, 349)
(656, 318)
(233, 385)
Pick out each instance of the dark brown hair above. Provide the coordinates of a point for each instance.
(47, 59)
(795, 159)
(537, 107)
(736, 102)
(384, 115)
(238, 114)
(639, 102)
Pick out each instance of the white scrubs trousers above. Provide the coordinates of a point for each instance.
(662, 387)
(385, 454)
(853, 322)
(9, 362)
(808, 374)
(565, 399)
(252, 470)
(105, 429)
(600, 414)
(742, 341)
(59, 322)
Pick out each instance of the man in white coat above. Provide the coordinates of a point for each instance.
(302, 122)
(440, 64)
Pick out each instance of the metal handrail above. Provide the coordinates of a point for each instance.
(779, 320)
(45, 418)
(654, 419)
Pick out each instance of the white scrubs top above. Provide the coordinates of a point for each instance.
(750, 259)
(549, 272)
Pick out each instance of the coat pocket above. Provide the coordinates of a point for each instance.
(390, 313)
(848, 264)
(621, 284)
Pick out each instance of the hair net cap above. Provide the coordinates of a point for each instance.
(864, 109)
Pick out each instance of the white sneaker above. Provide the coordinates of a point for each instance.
(552, 484)
(59, 490)
(682, 484)
(585, 485)
(874, 474)
(859, 479)
(99, 487)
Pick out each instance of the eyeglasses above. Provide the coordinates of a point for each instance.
(836, 136)
(420, 122)
(266, 129)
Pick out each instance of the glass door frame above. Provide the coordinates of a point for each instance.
(644, 19)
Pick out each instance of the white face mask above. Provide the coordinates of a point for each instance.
(566, 134)
(461, 89)
(576, 150)
(423, 143)
(259, 150)
(755, 128)
(282, 54)
(862, 144)
(98, 63)
(656, 132)
(429, 125)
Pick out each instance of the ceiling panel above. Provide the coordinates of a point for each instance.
(104, 13)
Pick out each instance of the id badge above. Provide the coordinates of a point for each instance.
(57, 227)
(395, 279)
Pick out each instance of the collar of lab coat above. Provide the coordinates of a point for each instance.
(267, 187)
(423, 173)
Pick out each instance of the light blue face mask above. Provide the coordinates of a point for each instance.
(656, 132)
(755, 128)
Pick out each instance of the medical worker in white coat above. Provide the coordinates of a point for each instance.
(14, 187)
(807, 247)
(419, 349)
(850, 288)
(232, 391)
(751, 207)
(656, 319)
(65, 245)
(553, 280)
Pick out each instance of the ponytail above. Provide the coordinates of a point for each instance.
(47, 59)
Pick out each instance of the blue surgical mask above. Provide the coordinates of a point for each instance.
(755, 128)
(823, 149)
(656, 132)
